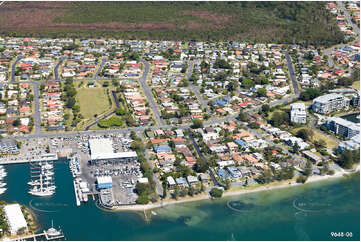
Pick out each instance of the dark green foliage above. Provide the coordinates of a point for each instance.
(285, 173)
(305, 134)
(247, 83)
(265, 177)
(309, 94)
(216, 193)
(222, 64)
(301, 179)
(279, 118)
(276, 22)
(348, 158)
(254, 125)
(114, 121)
(197, 123)
(261, 92)
(201, 165)
(242, 116)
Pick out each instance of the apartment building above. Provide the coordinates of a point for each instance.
(329, 103)
(298, 113)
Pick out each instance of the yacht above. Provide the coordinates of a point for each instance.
(52, 232)
(34, 183)
(2, 190)
(41, 193)
(2, 184)
(47, 166)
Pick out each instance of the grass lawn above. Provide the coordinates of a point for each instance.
(318, 136)
(356, 85)
(330, 142)
(92, 101)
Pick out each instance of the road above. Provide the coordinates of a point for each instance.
(158, 186)
(356, 29)
(196, 89)
(148, 93)
(56, 69)
(292, 74)
(348, 17)
(200, 154)
(103, 61)
(109, 113)
(36, 114)
(13, 68)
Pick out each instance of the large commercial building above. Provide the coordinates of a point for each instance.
(343, 127)
(102, 152)
(329, 103)
(104, 182)
(298, 113)
(15, 218)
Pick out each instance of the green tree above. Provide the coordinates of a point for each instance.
(261, 92)
(216, 192)
(247, 83)
(197, 123)
(305, 134)
(201, 165)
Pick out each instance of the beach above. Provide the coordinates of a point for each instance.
(266, 187)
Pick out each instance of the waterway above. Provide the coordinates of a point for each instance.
(352, 117)
(309, 212)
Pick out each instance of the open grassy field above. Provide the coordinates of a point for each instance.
(284, 22)
(356, 85)
(330, 143)
(93, 100)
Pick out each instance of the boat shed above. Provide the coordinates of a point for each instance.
(15, 217)
(104, 182)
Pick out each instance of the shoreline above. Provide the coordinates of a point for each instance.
(267, 187)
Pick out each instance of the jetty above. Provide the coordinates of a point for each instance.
(50, 234)
(44, 157)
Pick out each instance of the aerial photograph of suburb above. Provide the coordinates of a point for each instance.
(180, 120)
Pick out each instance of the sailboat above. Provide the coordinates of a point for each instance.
(45, 185)
(52, 232)
(2, 190)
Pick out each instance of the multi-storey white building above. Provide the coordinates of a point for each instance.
(328, 103)
(343, 127)
(298, 113)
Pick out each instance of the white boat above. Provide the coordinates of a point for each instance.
(34, 183)
(42, 193)
(47, 166)
(2, 184)
(52, 232)
(48, 173)
(2, 190)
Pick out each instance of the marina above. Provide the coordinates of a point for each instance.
(3, 174)
(42, 179)
(49, 234)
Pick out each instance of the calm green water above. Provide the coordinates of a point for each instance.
(334, 205)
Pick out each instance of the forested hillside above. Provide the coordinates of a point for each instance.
(286, 22)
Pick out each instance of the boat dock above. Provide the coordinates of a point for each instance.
(44, 157)
(76, 194)
(38, 237)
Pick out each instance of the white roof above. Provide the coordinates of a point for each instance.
(170, 180)
(103, 149)
(15, 217)
(100, 146)
(143, 180)
(297, 106)
(104, 179)
(326, 98)
(119, 155)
